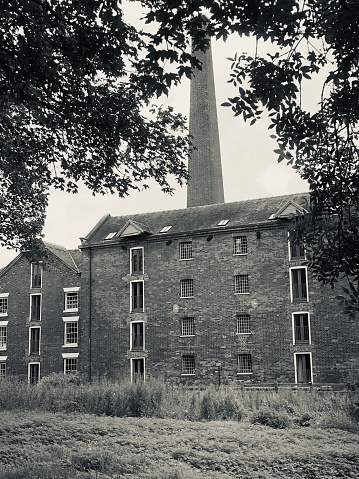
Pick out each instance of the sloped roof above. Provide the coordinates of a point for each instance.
(195, 219)
(66, 256)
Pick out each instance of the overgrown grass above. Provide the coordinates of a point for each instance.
(278, 409)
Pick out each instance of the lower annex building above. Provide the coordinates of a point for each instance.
(181, 295)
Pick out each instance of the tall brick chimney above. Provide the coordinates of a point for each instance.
(205, 186)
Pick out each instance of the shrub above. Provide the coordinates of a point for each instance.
(271, 419)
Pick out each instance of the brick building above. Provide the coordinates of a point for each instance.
(214, 289)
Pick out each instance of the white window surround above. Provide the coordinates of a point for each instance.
(132, 336)
(139, 310)
(74, 289)
(40, 314)
(132, 360)
(186, 250)
(291, 283)
(2, 296)
(3, 324)
(69, 319)
(295, 364)
(300, 258)
(29, 368)
(143, 260)
(30, 328)
(31, 275)
(293, 325)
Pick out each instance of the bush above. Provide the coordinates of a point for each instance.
(271, 419)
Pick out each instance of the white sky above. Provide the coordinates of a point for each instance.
(250, 168)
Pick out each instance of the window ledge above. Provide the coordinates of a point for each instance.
(73, 345)
(3, 348)
(244, 334)
(187, 297)
(185, 259)
(242, 293)
(243, 374)
(71, 310)
(188, 374)
(3, 315)
(187, 335)
(240, 254)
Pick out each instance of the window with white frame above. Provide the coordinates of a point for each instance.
(296, 248)
(245, 363)
(137, 337)
(187, 288)
(188, 364)
(34, 340)
(187, 326)
(71, 332)
(241, 284)
(185, 250)
(243, 323)
(137, 369)
(3, 335)
(301, 328)
(36, 275)
(299, 284)
(3, 367)
(4, 304)
(33, 373)
(136, 256)
(70, 362)
(240, 245)
(303, 368)
(137, 299)
(71, 299)
(35, 307)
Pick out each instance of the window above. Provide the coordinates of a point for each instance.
(3, 335)
(301, 328)
(33, 373)
(185, 250)
(35, 307)
(71, 332)
(241, 284)
(70, 362)
(243, 324)
(299, 286)
(4, 304)
(303, 368)
(187, 288)
(36, 275)
(71, 299)
(296, 250)
(34, 341)
(136, 255)
(188, 364)
(137, 369)
(165, 229)
(2, 368)
(187, 327)
(240, 245)
(222, 222)
(244, 363)
(137, 336)
(137, 296)
(111, 235)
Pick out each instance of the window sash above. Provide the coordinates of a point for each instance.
(3, 337)
(297, 250)
(2, 369)
(137, 336)
(36, 275)
(299, 284)
(4, 304)
(243, 324)
(188, 364)
(244, 363)
(34, 341)
(34, 373)
(240, 245)
(70, 365)
(185, 250)
(71, 301)
(241, 284)
(186, 288)
(71, 332)
(137, 295)
(137, 261)
(301, 328)
(187, 327)
(35, 307)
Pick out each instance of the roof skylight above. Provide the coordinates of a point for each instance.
(222, 223)
(165, 229)
(111, 235)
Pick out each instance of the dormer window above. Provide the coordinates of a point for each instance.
(223, 223)
(165, 229)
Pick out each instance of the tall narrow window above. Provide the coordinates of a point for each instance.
(299, 284)
(296, 249)
(188, 364)
(3, 335)
(71, 332)
(187, 327)
(35, 307)
(185, 250)
(241, 284)
(136, 260)
(303, 368)
(243, 324)
(187, 288)
(34, 373)
(34, 347)
(70, 365)
(137, 296)
(137, 369)
(2, 369)
(244, 363)
(240, 245)
(36, 275)
(4, 304)
(301, 328)
(137, 336)
(71, 299)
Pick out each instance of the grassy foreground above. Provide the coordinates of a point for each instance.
(44, 445)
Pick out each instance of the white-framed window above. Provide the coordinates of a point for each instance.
(137, 296)
(35, 307)
(137, 260)
(222, 222)
(3, 335)
(111, 235)
(187, 288)
(33, 373)
(71, 299)
(188, 364)
(36, 275)
(165, 229)
(137, 366)
(301, 328)
(34, 340)
(241, 284)
(3, 367)
(299, 284)
(240, 245)
(296, 250)
(187, 326)
(137, 336)
(303, 368)
(71, 332)
(70, 362)
(4, 304)
(185, 250)
(245, 363)
(243, 323)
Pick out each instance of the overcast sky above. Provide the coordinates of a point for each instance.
(250, 168)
